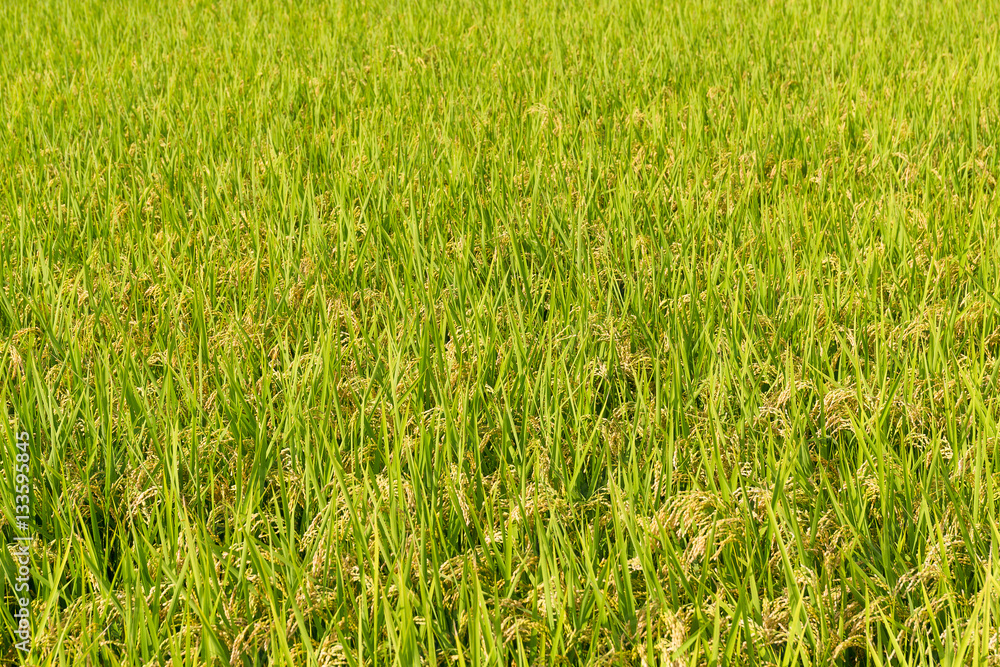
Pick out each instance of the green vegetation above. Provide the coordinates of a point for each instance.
(461, 333)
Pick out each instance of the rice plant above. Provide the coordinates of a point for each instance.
(452, 332)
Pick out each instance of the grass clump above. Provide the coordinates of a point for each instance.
(503, 333)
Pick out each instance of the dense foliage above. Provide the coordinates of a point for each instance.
(471, 332)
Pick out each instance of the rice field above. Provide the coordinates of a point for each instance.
(453, 332)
